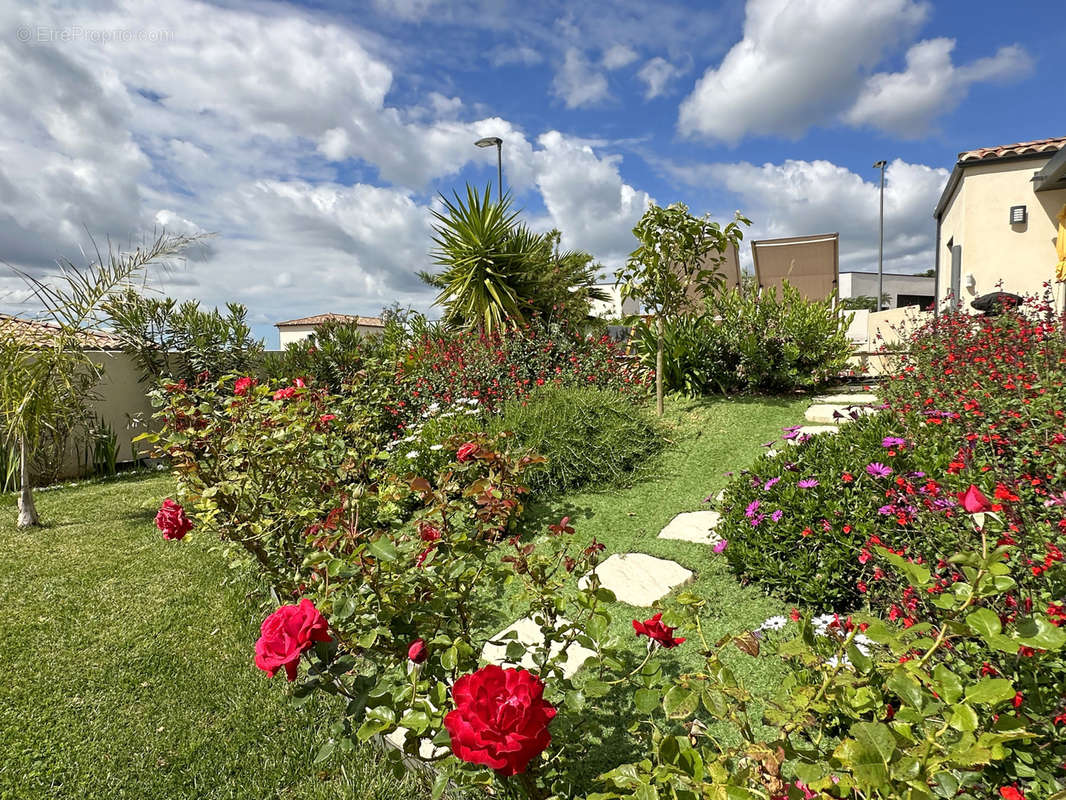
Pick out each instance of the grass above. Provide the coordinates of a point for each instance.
(127, 660)
(127, 668)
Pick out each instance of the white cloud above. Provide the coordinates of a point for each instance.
(657, 73)
(578, 83)
(796, 198)
(618, 56)
(587, 198)
(800, 62)
(907, 103)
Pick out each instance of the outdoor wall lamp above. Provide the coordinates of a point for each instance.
(1018, 215)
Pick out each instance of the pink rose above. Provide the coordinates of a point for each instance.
(974, 501)
(241, 387)
(171, 520)
(287, 634)
(285, 394)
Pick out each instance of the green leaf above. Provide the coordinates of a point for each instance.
(990, 691)
(984, 622)
(646, 700)
(383, 549)
(904, 685)
(949, 687)
(325, 751)
(449, 659)
(963, 718)
(1041, 634)
(680, 703)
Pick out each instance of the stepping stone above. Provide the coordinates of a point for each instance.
(856, 399)
(426, 749)
(640, 579)
(693, 526)
(851, 388)
(824, 413)
(718, 498)
(814, 430)
(529, 633)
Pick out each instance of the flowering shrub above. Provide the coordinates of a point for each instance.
(494, 368)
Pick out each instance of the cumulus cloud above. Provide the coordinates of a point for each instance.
(578, 83)
(657, 73)
(618, 56)
(797, 198)
(907, 103)
(799, 62)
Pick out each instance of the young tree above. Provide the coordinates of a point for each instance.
(44, 382)
(679, 254)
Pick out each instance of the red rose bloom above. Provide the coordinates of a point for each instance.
(241, 387)
(655, 630)
(287, 634)
(1010, 793)
(172, 521)
(418, 652)
(973, 501)
(284, 394)
(500, 719)
(466, 452)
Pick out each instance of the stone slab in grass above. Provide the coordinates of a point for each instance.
(854, 399)
(825, 413)
(693, 526)
(426, 749)
(529, 633)
(640, 579)
(814, 430)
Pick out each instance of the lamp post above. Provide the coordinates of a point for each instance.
(489, 141)
(881, 239)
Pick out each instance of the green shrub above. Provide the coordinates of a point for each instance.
(590, 437)
(751, 342)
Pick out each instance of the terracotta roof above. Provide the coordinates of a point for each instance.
(40, 333)
(1034, 148)
(318, 319)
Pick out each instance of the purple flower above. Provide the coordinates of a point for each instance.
(792, 428)
(887, 510)
(916, 474)
(876, 469)
(776, 516)
(770, 484)
(791, 435)
(757, 520)
(769, 443)
(892, 441)
(807, 483)
(720, 546)
(752, 508)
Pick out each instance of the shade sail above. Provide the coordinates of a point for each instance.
(808, 263)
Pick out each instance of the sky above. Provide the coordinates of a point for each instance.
(313, 140)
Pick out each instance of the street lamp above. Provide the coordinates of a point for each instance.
(881, 239)
(496, 141)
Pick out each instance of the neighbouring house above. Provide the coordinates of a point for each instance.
(296, 330)
(997, 220)
(614, 307)
(901, 290)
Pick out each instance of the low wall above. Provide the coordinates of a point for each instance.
(884, 330)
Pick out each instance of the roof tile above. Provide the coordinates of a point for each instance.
(1036, 147)
(318, 319)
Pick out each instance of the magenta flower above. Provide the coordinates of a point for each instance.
(752, 508)
(892, 441)
(776, 516)
(876, 469)
(720, 546)
(807, 483)
(770, 484)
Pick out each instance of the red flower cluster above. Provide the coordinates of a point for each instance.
(500, 719)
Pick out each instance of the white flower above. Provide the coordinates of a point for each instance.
(413, 454)
(774, 624)
(409, 438)
(436, 447)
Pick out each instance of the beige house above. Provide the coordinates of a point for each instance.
(296, 330)
(997, 220)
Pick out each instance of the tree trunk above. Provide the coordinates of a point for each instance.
(659, 367)
(27, 510)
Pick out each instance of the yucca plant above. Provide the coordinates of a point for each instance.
(486, 254)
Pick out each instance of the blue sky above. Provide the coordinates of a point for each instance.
(312, 139)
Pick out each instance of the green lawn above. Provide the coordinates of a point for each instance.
(127, 661)
(126, 667)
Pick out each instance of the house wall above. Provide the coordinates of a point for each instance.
(993, 250)
(297, 333)
(858, 284)
(614, 308)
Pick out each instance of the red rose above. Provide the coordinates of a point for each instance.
(973, 501)
(287, 634)
(655, 630)
(418, 652)
(241, 387)
(284, 394)
(500, 719)
(1010, 793)
(172, 521)
(428, 533)
(466, 452)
